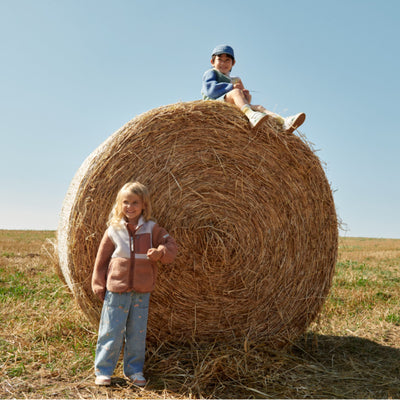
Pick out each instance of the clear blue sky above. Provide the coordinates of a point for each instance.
(72, 72)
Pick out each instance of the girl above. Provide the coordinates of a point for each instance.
(124, 274)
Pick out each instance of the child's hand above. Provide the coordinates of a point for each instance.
(154, 254)
(101, 294)
(238, 84)
(247, 95)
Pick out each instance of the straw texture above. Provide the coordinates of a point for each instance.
(251, 211)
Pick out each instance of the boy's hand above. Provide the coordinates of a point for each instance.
(247, 95)
(238, 84)
(154, 254)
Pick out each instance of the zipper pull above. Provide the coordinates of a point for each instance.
(132, 244)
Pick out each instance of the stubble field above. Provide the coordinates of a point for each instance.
(351, 351)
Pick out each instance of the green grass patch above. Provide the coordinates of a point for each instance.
(393, 319)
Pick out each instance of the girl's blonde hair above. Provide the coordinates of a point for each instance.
(116, 215)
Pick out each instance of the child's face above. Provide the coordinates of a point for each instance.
(223, 63)
(132, 207)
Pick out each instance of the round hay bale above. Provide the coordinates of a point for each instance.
(251, 210)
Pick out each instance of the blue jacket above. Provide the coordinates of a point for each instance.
(215, 84)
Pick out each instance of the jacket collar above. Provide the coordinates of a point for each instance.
(138, 226)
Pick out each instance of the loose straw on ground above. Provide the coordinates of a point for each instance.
(251, 211)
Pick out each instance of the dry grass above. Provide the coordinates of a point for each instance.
(251, 210)
(352, 351)
(369, 269)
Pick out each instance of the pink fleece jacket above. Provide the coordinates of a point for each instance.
(122, 268)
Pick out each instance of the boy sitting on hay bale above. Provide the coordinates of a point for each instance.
(218, 85)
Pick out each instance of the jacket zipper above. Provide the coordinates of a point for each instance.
(132, 248)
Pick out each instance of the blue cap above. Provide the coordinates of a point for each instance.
(223, 49)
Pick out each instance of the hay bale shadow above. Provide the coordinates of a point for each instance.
(349, 367)
(317, 366)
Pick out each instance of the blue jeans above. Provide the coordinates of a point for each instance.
(124, 316)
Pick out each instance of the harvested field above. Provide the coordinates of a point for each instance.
(351, 351)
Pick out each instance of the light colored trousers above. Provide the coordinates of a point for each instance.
(123, 317)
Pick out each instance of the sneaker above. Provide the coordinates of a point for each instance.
(103, 380)
(138, 379)
(256, 117)
(293, 122)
